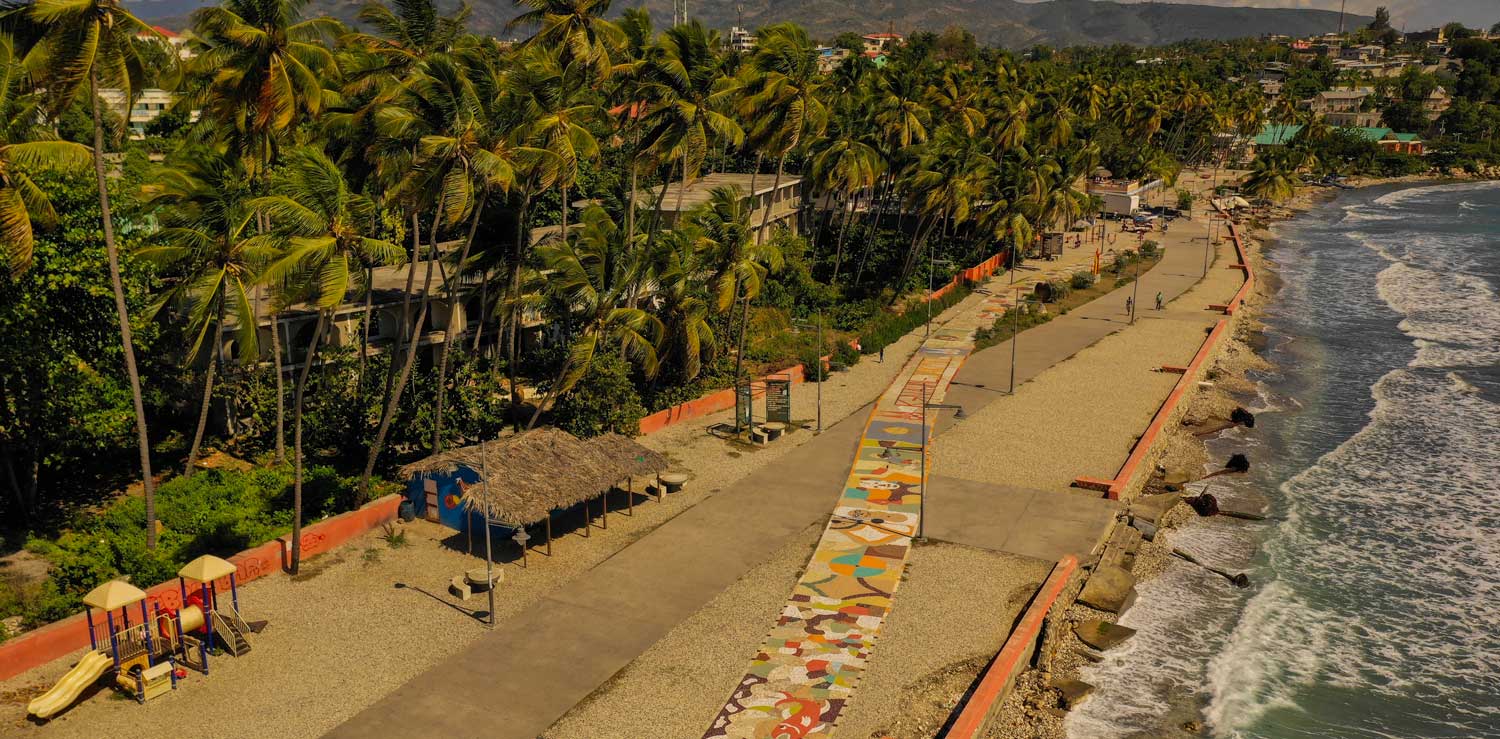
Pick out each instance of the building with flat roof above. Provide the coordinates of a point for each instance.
(1122, 197)
(784, 201)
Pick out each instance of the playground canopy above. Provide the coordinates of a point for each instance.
(206, 568)
(541, 471)
(113, 595)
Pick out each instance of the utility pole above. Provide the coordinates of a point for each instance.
(1342, 3)
(489, 560)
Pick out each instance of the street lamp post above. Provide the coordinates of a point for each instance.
(818, 359)
(1135, 290)
(931, 267)
(489, 560)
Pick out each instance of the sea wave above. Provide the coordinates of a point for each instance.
(1386, 567)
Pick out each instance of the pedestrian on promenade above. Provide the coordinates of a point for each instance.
(1158, 301)
(882, 355)
(1129, 305)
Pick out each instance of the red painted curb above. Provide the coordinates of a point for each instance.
(1001, 674)
(60, 638)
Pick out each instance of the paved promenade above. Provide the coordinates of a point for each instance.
(519, 679)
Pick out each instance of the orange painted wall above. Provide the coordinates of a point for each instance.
(58, 639)
(999, 676)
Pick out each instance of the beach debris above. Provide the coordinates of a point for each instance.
(1204, 505)
(1110, 588)
(1147, 528)
(1089, 654)
(1238, 463)
(1101, 634)
(1240, 580)
(1073, 691)
(1243, 515)
(1243, 417)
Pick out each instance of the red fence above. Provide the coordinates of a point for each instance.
(57, 639)
(974, 274)
(712, 403)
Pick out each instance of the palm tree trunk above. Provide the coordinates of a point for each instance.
(765, 219)
(453, 333)
(312, 355)
(405, 332)
(280, 388)
(122, 313)
(406, 364)
(484, 302)
(513, 345)
(680, 191)
(630, 205)
(838, 258)
(208, 391)
(364, 334)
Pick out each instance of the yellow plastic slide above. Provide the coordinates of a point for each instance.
(67, 689)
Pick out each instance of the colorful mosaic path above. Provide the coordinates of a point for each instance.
(806, 671)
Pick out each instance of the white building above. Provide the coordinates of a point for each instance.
(741, 40)
(1122, 197)
(149, 104)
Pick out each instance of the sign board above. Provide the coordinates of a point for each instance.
(1052, 244)
(742, 398)
(779, 401)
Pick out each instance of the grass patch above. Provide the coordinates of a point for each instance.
(1066, 295)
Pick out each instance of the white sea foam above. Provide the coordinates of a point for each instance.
(1397, 533)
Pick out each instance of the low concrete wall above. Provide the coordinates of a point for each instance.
(1000, 676)
(60, 638)
(713, 402)
(1141, 454)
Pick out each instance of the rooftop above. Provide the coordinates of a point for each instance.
(701, 188)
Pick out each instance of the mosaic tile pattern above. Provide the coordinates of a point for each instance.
(806, 671)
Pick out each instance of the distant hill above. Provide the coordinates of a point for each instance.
(996, 22)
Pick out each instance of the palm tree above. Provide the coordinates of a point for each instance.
(201, 198)
(474, 152)
(90, 43)
(326, 229)
(680, 273)
(592, 271)
(1273, 176)
(26, 146)
(575, 28)
(738, 262)
(685, 85)
(257, 73)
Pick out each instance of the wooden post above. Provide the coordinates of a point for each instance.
(630, 495)
(588, 523)
(661, 495)
(549, 533)
(605, 498)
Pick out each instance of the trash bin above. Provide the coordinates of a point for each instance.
(406, 511)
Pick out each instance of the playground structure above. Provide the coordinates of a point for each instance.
(144, 654)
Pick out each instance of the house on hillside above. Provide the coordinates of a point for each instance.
(830, 57)
(149, 104)
(1344, 107)
(877, 44)
(1436, 103)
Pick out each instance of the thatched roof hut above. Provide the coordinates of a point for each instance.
(541, 471)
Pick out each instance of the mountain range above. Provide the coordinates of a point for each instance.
(1007, 23)
(1412, 15)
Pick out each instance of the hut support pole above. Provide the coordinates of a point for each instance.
(661, 495)
(605, 498)
(588, 523)
(630, 495)
(549, 533)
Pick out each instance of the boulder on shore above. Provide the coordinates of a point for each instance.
(1110, 588)
(1102, 634)
(1073, 691)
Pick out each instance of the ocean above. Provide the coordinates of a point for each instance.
(1375, 604)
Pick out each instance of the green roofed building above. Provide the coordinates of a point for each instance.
(1277, 134)
(1375, 135)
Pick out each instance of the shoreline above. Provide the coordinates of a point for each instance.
(1032, 710)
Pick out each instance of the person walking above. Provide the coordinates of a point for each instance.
(1159, 301)
(1129, 305)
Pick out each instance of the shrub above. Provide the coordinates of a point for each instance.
(1185, 199)
(887, 328)
(1148, 249)
(604, 400)
(1082, 280)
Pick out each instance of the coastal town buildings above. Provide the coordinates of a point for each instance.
(148, 105)
(741, 40)
(784, 200)
(1120, 196)
(1344, 107)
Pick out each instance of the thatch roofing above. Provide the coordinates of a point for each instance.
(540, 471)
